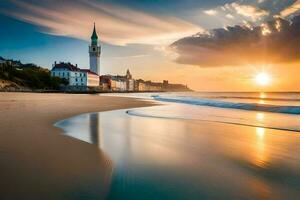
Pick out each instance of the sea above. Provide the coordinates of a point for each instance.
(199, 145)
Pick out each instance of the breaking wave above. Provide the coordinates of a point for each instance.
(232, 105)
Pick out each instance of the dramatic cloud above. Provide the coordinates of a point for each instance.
(294, 8)
(249, 11)
(116, 25)
(236, 12)
(276, 41)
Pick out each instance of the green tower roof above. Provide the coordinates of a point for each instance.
(94, 35)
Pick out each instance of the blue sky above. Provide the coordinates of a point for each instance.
(133, 34)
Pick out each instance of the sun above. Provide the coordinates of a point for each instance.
(262, 79)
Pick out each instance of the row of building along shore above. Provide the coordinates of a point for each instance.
(85, 79)
(90, 79)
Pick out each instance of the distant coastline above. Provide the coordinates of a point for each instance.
(82, 92)
(18, 77)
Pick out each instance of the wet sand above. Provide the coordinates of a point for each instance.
(37, 161)
(158, 155)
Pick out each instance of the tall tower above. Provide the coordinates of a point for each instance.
(95, 51)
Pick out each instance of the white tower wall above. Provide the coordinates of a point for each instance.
(95, 59)
(95, 51)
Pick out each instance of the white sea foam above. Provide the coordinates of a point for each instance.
(227, 104)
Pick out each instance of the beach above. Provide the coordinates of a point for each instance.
(79, 146)
(37, 161)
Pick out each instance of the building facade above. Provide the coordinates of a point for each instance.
(118, 83)
(74, 75)
(129, 81)
(92, 78)
(94, 52)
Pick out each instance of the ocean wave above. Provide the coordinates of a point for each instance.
(256, 98)
(214, 119)
(232, 105)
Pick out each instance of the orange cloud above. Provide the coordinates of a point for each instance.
(116, 25)
(249, 11)
(295, 7)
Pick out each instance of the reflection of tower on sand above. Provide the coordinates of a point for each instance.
(94, 128)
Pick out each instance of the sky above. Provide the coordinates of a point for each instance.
(210, 45)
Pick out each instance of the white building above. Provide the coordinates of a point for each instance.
(75, 75)
(118, 84)
(129, 81)
(95, 51)
(93, 79)
(130, 85)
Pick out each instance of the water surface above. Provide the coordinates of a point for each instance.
(183, 151)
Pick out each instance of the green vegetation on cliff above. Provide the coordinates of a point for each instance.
(27, 76)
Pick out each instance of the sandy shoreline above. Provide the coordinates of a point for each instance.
(37, 162)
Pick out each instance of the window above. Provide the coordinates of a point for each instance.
(63, 73)
(81, 79)
(76, 79)
(94, 49)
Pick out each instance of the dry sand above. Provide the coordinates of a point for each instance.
(37, 161)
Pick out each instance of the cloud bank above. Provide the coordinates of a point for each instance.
(239, 11)
(115, 24)
(249, 11)
(292, 9)
(275, 41)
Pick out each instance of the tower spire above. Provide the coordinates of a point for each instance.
(94, 36)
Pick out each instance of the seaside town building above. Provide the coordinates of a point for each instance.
(140, 85)
(75, 75)
(118, 83)
(150, 86)
(129, 81)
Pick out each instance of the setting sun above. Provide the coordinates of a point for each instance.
(262, 79)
